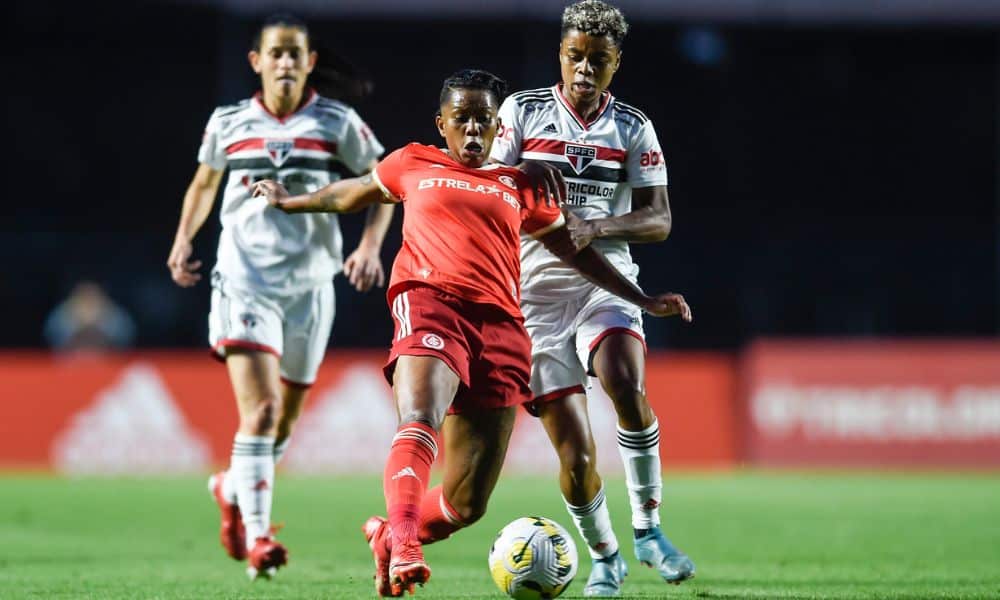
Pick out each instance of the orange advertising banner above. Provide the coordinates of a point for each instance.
(914, 404)
(172, 412)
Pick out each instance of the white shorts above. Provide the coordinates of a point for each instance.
(295, 328)
(564, 336)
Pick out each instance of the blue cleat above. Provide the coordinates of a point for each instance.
(606, 576)
(654, 550)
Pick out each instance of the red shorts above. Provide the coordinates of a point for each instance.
(487, 348)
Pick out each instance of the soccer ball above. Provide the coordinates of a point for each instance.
(533, 557)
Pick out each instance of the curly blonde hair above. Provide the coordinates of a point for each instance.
(594, 17)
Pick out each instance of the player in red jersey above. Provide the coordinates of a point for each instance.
(459, 362)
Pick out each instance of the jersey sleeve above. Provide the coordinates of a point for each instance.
(537, 218)
(507, 145)
(358, 146)
(388, 174)
(645, 164)
(211, 152)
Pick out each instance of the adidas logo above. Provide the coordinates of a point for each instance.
(550, 128)
(405, 472)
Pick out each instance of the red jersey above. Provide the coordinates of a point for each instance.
(462, 226)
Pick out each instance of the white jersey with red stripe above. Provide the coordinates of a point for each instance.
(602, 162)
(261, 247)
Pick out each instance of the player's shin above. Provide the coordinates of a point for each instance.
(405, 479)
(593, 521)
(640, 452)
(251, 472)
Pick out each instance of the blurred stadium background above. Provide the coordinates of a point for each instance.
(835, 185)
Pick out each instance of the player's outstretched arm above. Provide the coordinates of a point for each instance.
(596, 269)
(344, 196)
(649, 220)
(198, 201)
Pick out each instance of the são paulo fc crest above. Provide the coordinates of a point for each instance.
(580, 157)
(279, 150)
(508, 181)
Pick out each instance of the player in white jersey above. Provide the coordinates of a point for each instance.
(272, 290)
(616, 193)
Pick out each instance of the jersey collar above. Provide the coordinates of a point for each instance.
(310, 98)
(605, 103)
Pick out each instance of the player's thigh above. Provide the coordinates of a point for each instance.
(555, 374)
(308, 319)
(424, 387)
(475, 447)
(567, 423)
(611, 343)
(555, 369)
(255, 380)
(244, 320)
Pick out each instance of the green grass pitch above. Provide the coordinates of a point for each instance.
(752, 535)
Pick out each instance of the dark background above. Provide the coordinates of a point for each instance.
(824, 180)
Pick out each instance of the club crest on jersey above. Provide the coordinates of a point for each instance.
(279, 150)
(580, 157)
(508, 181)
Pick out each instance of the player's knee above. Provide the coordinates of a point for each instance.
(577, 462)
(471, 509)
(263, 418)
(424, 417)
(625, 389)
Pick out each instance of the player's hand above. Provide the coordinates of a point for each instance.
(272, 191)
(363, 268)
(581, 232)
(547, 180)
(668, 305)
(184, 272)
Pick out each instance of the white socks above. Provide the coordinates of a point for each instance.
(228, 488)
(640, 452)
(279, 449)
(251, 474)
(594, 524)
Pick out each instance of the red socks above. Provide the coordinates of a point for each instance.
(405, 479)
(438, 520)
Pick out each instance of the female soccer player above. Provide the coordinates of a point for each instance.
(272, 289)
(616, 184)
(460, 347)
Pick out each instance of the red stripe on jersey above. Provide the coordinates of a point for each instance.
(559, 147)
(302, 143)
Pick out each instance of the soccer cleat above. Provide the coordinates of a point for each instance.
(266, 557)
(231, 533)
(379, 536)
(407, 567)
(655, 550)
(606, 576)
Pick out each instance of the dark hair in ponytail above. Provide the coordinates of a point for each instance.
(333, 76)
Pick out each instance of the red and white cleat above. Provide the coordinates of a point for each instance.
(266, 557)
(378, 535)
(408, 567)
(231, 533)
